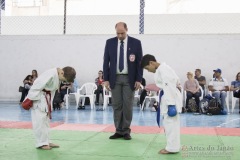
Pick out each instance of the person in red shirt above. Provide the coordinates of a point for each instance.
(99, 82)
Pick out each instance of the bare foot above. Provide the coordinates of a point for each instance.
(54, 145)
(164, 151)
(45, 147)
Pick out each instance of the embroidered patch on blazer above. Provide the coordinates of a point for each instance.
(132, 57)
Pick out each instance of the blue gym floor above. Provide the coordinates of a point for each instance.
(13, 112)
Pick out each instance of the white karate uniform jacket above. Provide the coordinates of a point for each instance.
(166, 79)
(49, 81)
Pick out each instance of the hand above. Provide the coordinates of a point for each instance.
(137, 85)
(172, 111)
(107, 85)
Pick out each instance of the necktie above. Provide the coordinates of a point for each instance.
(121, 59)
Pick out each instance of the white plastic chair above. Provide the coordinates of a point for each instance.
(234, 99)
(66, 97)
(147, 100)
(106, 95)
(87, 90)
(136, 93)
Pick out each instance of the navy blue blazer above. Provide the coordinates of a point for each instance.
(134, 56)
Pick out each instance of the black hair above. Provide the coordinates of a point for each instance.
(146, 59)
(199, 70)
(237, 76)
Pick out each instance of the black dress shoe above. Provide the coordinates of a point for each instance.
(115, 136)
(127, 136)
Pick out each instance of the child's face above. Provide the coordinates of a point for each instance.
(150, 67)
(61, 76)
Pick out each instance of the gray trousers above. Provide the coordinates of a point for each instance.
(122, 103)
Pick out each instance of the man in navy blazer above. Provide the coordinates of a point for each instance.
(122, 75)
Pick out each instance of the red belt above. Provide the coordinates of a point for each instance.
(48, 102)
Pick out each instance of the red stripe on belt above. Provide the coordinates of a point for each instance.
(48, 93)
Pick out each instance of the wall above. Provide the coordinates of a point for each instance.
(104, 24)
(20, 54)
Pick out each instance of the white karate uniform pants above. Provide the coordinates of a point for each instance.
(41, 128)
(172, 131)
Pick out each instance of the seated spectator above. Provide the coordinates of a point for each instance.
(64, 86)
(219, 87)
(99, 82)
(201, 79)
(57, 100)
(27, 83)
(235, 87)
(34, 75)
(191, 86)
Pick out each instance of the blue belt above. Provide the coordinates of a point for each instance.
(158, 110)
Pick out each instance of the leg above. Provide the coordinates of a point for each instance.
(142, 96)
(40, 123)
(172, 131)
(223, 96)
(197, 99)
(110, 101)
(24, 93)
(97, 96)
(122, 98)
(63, 92)
(102, 94)
(117, 105)
(189, 96)
(216, 94)
(237, 95)
(239, 104)
(128, 98)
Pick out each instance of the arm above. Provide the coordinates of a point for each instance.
(210, 86)
(226, 87)
(169, 85)
(197, 84)
(139, 69)
(232, 88)
(185, 87)
(40, 83)
(138, 61)
(106, 61)
(203, 82)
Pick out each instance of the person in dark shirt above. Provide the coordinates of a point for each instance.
(201, 79)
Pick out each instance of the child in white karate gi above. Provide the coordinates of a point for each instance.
(167, 80)
(41, 94)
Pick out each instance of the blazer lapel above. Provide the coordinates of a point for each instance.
(115, 48)
(129, 47)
